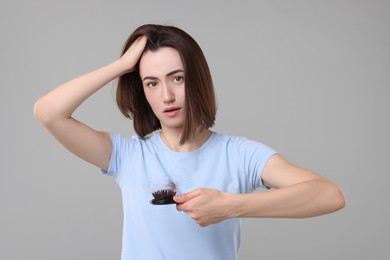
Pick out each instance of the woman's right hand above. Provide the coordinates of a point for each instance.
(133, 54)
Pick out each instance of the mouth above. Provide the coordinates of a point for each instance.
(171, 109)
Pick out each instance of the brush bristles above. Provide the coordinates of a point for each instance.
(161, 194)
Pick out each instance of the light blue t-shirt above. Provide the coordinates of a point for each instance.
(227, 163)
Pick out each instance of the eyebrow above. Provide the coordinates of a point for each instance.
(169, 74)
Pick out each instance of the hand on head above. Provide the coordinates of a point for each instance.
(133, 54)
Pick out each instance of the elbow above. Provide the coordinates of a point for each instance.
(340, 201)
(38, 110)
(335, 198)
(42, 112)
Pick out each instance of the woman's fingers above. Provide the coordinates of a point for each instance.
(134, 53)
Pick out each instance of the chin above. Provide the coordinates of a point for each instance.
(172, 124)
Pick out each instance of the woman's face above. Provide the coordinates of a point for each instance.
(162, 76)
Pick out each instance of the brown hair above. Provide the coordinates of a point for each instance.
(199, 90)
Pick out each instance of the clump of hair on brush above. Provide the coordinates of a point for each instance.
(164, 196)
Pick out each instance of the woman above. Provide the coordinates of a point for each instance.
(165, 86)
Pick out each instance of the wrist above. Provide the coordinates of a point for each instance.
(121, 66)
(234, 205)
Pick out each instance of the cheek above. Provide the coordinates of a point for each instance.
(147, 95)
(150, 98)
(182, 93)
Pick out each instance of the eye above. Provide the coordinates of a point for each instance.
(178, 79)
(151, 84)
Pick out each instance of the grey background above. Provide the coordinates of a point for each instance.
(309, 78)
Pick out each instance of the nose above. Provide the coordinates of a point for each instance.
(167, 94)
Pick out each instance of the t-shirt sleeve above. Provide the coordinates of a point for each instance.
(254, 156)
(115, 157)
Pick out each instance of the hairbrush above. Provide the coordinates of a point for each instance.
(163, 197)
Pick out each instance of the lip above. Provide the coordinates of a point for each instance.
(171, 111)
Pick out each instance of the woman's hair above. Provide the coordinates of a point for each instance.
(200, 105)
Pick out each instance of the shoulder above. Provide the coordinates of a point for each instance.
(228, 139)
(135, 142)
(239, 142)
(244, 149)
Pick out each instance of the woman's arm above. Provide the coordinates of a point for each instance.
(55, 109)
(298, 193)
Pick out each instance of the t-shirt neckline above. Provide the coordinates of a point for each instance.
(202, 147)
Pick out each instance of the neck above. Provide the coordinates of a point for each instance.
(172, 139)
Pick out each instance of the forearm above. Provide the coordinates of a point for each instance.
(305, 199)
(62, 101)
